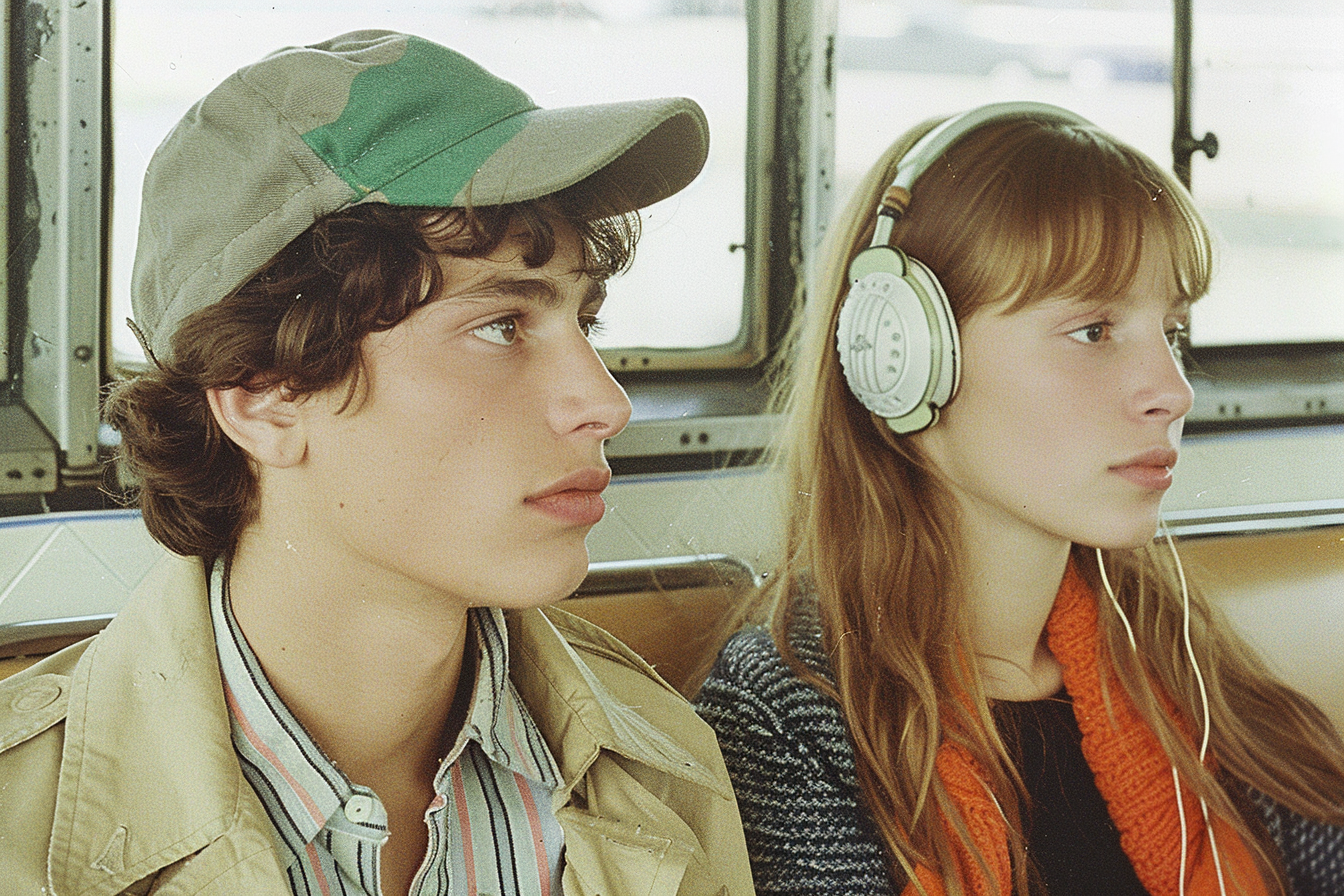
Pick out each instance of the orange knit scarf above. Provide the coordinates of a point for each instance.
(1131, 769)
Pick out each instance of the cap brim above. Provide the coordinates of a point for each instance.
(644, 151)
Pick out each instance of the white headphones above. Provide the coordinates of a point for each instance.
(896, 335)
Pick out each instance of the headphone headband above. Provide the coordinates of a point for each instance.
(929, 148)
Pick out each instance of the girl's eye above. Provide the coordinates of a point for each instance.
(1092, 333)
(1176, 337)
(501, 332)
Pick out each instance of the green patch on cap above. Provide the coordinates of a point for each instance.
(417, 129)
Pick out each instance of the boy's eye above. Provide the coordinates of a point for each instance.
(590, 325)
(1176, 337)
(1092, 333)
(501, 332)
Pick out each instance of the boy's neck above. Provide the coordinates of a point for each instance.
(370, 670)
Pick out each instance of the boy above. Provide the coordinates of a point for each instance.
(365, 278)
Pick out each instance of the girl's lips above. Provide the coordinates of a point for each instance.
(1155, 478)
(1150, 470)
(579, 507)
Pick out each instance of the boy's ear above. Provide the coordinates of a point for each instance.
(266, 423)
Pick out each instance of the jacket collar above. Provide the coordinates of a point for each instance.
(557, 684)
(621, 836)
(147, 705)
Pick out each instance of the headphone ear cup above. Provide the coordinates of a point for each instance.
(897, 339)
(945, 335)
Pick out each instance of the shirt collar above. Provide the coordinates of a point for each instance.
(498, 719)
(301, 788)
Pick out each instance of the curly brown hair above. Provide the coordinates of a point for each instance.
(299, 323)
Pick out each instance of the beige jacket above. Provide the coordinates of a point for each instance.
(118, 775)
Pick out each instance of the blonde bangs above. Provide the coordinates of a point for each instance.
(1024, 210)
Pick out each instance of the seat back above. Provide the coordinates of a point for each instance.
(1284, 592)
(668, 610)
(24, 643)
(671, 611)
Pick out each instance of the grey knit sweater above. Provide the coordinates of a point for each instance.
(792, 765)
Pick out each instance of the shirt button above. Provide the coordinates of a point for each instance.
(358, 807)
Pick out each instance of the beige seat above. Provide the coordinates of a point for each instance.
(668, 610)
(1285, 593)
(24, 643)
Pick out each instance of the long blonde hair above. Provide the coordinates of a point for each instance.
(1016, 210)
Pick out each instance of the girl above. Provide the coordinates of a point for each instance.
(982, 677)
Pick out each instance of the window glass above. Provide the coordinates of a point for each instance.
(686, 288)
(1268, 81)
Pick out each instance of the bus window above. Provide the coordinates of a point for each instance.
(1267, 80)
(899, 62)
(166, 55)
(1270, 83)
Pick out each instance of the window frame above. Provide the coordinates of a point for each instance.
(57, 162)
(703, 417)
(1253, 385)
(694, 409)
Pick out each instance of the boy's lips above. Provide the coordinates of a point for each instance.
(576, 498)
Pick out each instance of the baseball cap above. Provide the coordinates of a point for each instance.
(371, 116)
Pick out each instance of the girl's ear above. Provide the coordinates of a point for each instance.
(266, 423)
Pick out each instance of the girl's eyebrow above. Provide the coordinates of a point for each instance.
(1071, 306)
(594, 295)
(1180, 306)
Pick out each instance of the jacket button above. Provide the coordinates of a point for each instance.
(38, 696)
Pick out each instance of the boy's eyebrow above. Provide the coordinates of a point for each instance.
(542, 292)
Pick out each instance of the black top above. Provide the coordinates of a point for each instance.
(1071, 840)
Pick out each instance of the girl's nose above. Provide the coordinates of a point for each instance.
(1164, 391)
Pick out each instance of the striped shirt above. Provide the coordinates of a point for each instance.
(492, 825)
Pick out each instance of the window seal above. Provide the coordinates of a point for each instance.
(1265, 385)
